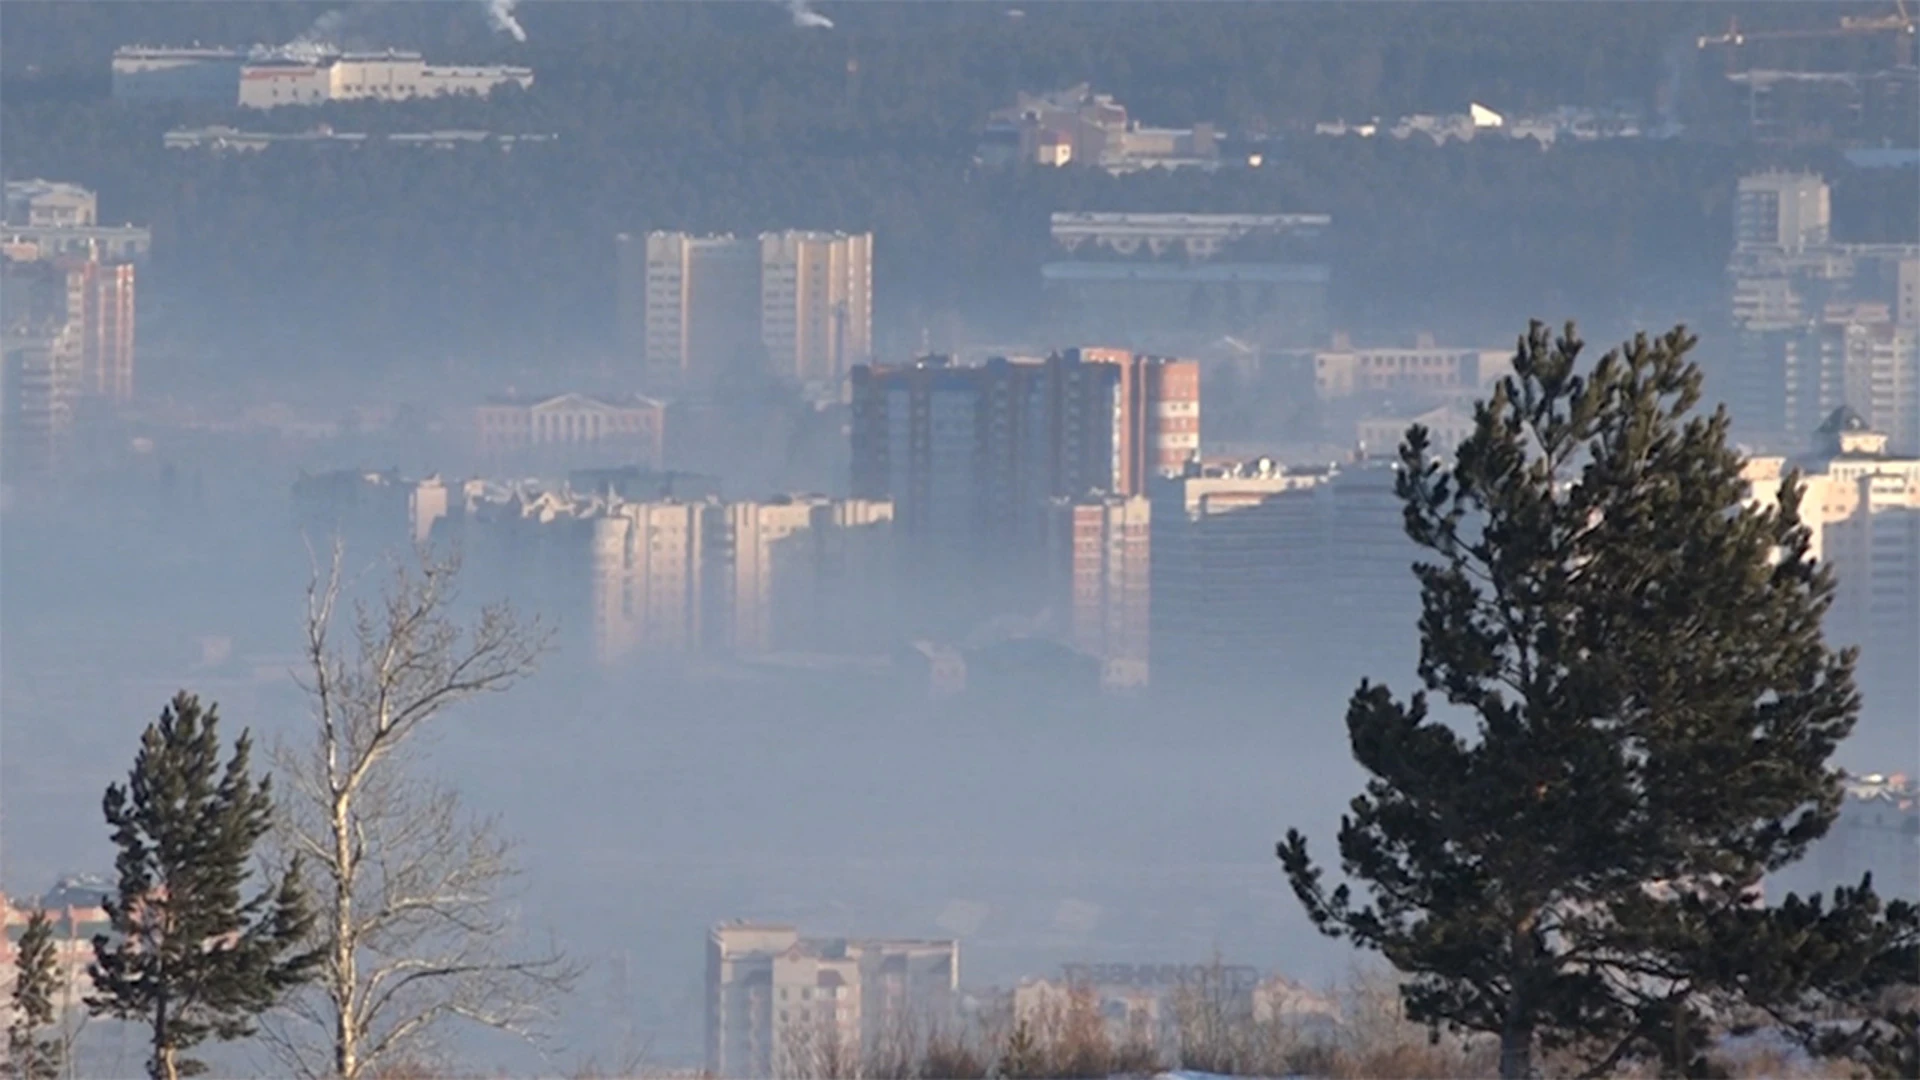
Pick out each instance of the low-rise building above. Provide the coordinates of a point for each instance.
(385, 76)
(1345, 371)
(572, 430)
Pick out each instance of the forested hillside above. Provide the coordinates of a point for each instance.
(871, 125)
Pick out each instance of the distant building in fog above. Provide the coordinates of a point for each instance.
(1099, 586)
(1147, 280)
(93, 300)
(47, 220)
(39, 386)
(576, 429)
(779, 1004)
(970, 455)
(371, 513)
(1258, 568)
(669, 575)
(392, 75)
(1447, 427)
(1862, 504)
(796, 305)
(1817, 324)
(1344, 371)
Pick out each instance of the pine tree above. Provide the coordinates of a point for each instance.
(190, 955)
(1653, 707)
(36, 983)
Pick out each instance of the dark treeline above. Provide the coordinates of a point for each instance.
(725, 117)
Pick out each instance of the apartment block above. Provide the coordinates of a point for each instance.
(39, 387)
(1862, 503)
(1258, 568)
(1782, 211)
(816, 303)
(91, 297)
(802, 570)
(695, 304)
(1817, 324)
(1099, 588)
(970, 454)
(798, 305)
(371, 513)
(664, 574)
(100, 299)
(780, 1005)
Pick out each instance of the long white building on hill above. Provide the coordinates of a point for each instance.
(262, 78)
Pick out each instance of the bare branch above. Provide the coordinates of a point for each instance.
(407, 882)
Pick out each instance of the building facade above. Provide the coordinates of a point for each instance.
(971, 455)
(387, 76)
(574, 430)
(795, 305)
(39, 389)
(699, 302)
(1817, 324)
(816, 304)
(1177, 282)
(1099, 586)
(780, 1005)
(1258, 568)
(1862, 503)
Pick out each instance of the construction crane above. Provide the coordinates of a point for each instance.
(1900, 21)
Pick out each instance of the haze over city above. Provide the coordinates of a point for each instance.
(941, 460)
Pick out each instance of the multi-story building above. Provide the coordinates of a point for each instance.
(572, 429)
(1817, 324)
(39, 387)
(100, 299)
(1099, 588)
(368, 512)
(1782, 211)
(93, 298)
(279, 80)
(1862, 504)
(666, 574)
(695, 302)
(781, 1005)
(797, 305)
(991, 442)
(1858, 357)
(1258, 568)
(816, 304)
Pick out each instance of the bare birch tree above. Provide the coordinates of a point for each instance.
(407, 883)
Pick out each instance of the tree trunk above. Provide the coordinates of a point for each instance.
(164, 1065)
(346, 1034)
(1516, 1052)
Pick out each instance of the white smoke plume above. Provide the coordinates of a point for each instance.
(803, 15)
(500, 14)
